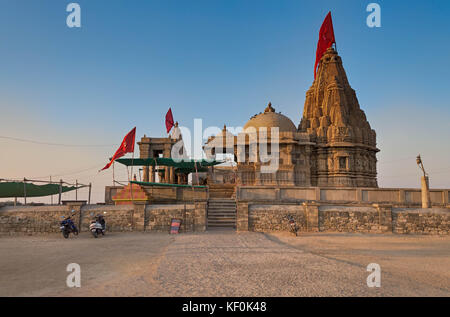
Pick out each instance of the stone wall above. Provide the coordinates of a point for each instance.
(266, 218)
(262, 217)
(193, 216)
(354, 219)
(421, 221)
(314, 217)
(399, 197)
(30, 220)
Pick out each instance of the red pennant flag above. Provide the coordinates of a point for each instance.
(326, 39)
(169, 120)
(127, 146)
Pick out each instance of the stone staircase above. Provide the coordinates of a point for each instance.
(221, 213)
(221, 190)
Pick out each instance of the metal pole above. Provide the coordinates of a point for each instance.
(114, 181)
(60, 191)
(51, 196)
(76, 190)
(25, 191)
(89, 198)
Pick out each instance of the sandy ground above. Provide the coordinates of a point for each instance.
(224, 263)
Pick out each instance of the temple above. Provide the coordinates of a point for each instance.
(333, 146)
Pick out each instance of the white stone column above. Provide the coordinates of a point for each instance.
(426, 201)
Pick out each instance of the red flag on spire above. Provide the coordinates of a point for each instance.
(169, 120)
(326, 39)
(126, 146)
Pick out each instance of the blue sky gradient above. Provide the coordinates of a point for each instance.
(221, 61)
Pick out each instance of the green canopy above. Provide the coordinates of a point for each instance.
(186, 166)
(166, 185)
(16, 189)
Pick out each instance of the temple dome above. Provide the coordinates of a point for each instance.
(269, 118)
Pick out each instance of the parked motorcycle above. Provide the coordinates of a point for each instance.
(98, 226)
(292, 225)
(67, 227)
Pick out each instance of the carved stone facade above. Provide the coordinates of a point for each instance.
(345, 151)
(162, 147)
(333, 146)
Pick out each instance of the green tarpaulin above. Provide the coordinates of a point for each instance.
(166, 185)
(17, 189)
(183, 167)
(163, 161)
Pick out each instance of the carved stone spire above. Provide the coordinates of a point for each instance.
(333, 118)
(331, 105)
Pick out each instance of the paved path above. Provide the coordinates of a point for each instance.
(225, 264)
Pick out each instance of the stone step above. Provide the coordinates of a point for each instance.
(222, 204)
(231, 209)
(221, 218)
(221, 211)
(214, 207)
(216, 213)
(218, 225)
(227, 214)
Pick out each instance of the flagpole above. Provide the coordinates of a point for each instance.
(131, 185)
(114, 180)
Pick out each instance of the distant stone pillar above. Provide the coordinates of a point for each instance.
(426, 201)
(242, 217)
(172, 175)
(166, 174)
(146, 178)
(152, 174)
(312, 216)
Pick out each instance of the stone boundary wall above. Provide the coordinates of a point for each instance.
(316, 217)
(30, 220)
(399, 197)
(251, 216)
(422, 221)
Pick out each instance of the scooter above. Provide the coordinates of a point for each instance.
(98, 226)
(292, 225)
(67, 227)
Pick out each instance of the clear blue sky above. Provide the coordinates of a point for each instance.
(221, 61)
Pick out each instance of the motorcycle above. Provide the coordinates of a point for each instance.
(292, 225)
(67, 227)
(97, 226)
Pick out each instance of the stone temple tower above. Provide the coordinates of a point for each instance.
(345, 151)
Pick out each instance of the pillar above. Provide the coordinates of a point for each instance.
(385, 217)
(139, 216)
(242, 217)
(426, 201)
(172, 175)
(166, 174)
(145, 176)
(152, 174)
(312, 216)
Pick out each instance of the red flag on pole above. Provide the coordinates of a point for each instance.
(169, 120)
(127, 146)
(326, 39)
